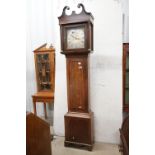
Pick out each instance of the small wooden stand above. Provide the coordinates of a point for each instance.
(45, 97)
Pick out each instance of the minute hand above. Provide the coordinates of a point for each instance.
(75, 37)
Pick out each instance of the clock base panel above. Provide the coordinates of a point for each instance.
(79, 129)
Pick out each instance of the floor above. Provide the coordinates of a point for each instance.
(98, 149)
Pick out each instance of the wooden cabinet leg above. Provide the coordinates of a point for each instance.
(34, 108)
(45, 110)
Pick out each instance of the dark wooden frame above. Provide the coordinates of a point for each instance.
(64, 34)
(125, 53)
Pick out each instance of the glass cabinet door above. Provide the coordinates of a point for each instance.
(43, 72)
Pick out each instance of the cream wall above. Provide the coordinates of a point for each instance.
(105, 62)
(39, 31)
(105, 68)
(125, 11)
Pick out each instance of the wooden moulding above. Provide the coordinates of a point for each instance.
(43, 48)
(83, 16)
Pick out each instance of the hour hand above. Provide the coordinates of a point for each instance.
(75, 37)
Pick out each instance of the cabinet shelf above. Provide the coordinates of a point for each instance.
(44, 61)
(45, 71)
(45, 83)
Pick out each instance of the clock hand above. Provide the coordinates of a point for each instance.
(75, 37)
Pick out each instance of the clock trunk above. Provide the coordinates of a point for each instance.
(77, 83)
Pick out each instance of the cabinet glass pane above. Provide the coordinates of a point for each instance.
(43, 70)
(127, 62)
(126, 96)
(127, 80)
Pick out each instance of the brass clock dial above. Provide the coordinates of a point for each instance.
(75, 38)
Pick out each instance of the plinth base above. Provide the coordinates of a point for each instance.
(79, 130)
(78, 145)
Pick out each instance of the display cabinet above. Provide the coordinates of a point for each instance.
(44, 68)
(45, 76)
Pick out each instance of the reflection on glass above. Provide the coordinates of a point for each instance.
(126, 96)
(127, 79)
(127, 62)
(43, 71)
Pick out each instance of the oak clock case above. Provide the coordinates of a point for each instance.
(76, 32)
(75, 38)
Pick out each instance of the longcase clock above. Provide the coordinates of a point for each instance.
(76, 32)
